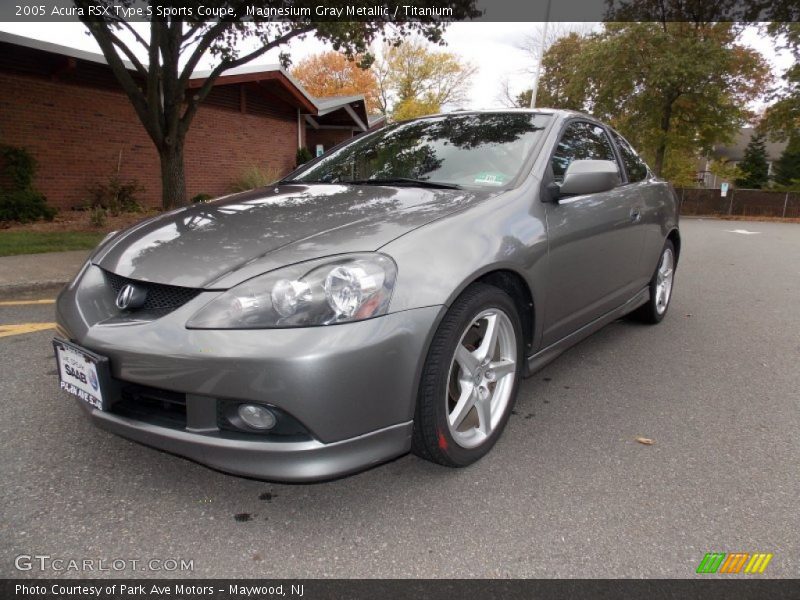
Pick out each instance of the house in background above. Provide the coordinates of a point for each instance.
(733, 153)
(66, 107)
(335, 120)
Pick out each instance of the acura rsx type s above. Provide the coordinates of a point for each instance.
(388, 296)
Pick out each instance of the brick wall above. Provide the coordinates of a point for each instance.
(78, 133)
(222, 143)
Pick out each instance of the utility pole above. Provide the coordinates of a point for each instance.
(535, 87)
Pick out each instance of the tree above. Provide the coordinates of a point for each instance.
(381, 70)
(415, 107)
(557, 85)
(420, 80)
(157, 87)
(676, 86)
(754, 167)
(783, 116)
(672, 83)
(724, 171)
(334, 74)
(682, 168)
(787, 167)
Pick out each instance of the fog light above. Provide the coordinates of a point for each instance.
(257, 417)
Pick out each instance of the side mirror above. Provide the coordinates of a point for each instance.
(589, 177)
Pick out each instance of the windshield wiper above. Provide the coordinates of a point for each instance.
(405, 181)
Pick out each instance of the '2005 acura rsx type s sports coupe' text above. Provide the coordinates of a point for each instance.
(387, 296)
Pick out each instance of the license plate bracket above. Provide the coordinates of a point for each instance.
(83, 374)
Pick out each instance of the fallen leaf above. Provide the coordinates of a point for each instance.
(644, 440)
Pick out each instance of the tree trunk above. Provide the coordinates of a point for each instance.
(173, 178)
(661, 150)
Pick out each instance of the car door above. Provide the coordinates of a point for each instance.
(649, 193)
(594, 242)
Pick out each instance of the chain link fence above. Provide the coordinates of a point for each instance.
(739, 202)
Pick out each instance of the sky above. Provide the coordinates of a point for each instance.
(493, 47)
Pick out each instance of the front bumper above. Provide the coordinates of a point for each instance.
(276, 461)
(353, 387)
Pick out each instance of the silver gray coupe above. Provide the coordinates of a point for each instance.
(386, 297)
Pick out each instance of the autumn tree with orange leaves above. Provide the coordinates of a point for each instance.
(333, 74)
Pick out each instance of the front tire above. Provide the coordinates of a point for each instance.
(660, 287)
(470, 380)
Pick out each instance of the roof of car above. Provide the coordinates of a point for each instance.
(548, 111)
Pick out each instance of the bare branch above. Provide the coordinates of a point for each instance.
(122, 22)
(505, 96)
(205, 43)
(101, 32)
(186, 37)
(227, 64)
(532, 43)
(128, 53)
(191, 31)
(153, 79)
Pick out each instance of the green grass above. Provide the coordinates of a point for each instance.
(35, 242)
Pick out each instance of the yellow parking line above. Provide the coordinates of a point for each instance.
(24, 302)
(7, 330)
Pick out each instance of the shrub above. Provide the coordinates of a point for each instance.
(98, 216)
(200, 198)
(792, 186)
(20, 201)
(787, 167)
(24, 206)
(19, 167)
(255, 177)
(115, 195)
(303, 156)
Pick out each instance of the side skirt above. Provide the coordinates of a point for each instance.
(546, 355)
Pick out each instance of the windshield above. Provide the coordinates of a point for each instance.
(475, 150)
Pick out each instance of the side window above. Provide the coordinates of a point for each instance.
(580, 141)
(635, 166)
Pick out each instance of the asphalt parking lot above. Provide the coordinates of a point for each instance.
(567, 492)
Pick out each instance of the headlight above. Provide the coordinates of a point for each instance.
(337, 290)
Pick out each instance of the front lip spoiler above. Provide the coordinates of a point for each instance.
(303, 461)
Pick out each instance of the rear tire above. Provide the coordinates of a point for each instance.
(661, 286)
(470, 380)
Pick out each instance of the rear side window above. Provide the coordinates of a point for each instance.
(581, 141)
(635, 166)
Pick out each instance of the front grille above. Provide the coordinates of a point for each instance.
(160, 297)
(151, 405)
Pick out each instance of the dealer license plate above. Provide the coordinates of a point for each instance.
(82, 373)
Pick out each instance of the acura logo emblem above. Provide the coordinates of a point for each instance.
(130, 297)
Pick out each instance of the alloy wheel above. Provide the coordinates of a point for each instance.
(664, 276)
(481, 378)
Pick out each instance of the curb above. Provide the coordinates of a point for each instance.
(33, 286)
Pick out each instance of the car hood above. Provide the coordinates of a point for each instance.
(221, 243)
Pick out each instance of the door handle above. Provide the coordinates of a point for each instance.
(636, 215)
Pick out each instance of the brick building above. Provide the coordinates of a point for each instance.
(66, 107)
